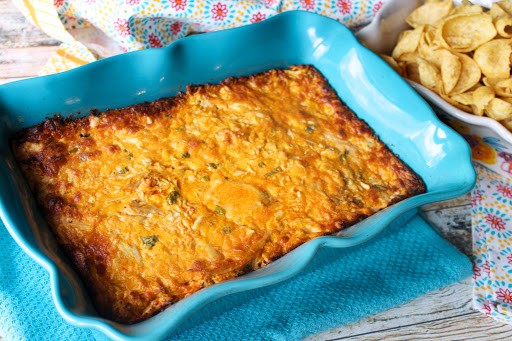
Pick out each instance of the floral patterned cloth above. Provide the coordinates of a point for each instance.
(94, 29)
(491, 202)
(491, 220)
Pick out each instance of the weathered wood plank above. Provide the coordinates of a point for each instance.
(444, 303)
(17, 31)
(9, 80)
(459, 201)
(24, 62)
(474, 326)
(444, 314)
(454, 223)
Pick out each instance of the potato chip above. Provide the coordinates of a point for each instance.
(430, 13)
(448, 63)
(506, 6)
(502, 87)
(429, 75)
(504, 26)
(481, 98)
(497, 11)
(450, 70)
(483, 95)
(412, 72)
(464, 33)
(428, 41)
(408, 42)
(403, 67)
(476, 86)
(465, 98)
(507, 99)
(498, 109)
(505, 85)
(467, 8)
(507, 123)
(493, 58)
(477, 99)
(431, 55)
(469, 75)
(393, 63)
(409, 57)
(456, 104)
(478, 111)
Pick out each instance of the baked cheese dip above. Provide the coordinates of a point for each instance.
(154, 201)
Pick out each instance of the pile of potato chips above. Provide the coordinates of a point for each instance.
(462, 53)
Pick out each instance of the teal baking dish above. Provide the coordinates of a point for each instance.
(363, 81)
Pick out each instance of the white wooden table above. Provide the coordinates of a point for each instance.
(444, 314)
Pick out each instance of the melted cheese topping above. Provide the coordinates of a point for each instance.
(154, 201)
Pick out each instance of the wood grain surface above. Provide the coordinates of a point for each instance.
(17, 32)
(445, 314)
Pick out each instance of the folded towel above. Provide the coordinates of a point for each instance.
(408, 259)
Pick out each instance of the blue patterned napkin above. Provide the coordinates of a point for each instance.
(340, 286)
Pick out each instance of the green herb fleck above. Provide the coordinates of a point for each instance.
(310, 128)
(344, 155)
(124, 170)
(206, 178)
(149, 241)
(356, 202)
(261, 164)
(74, 150)
(213, 165)
(172, 198)
(180, 128)
(273, 171)
(185, 155)
(130, 155)
(226, 229)
(85, 135)
(267, 199)
(220, 209)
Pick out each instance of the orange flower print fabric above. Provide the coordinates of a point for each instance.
(94, 29)
(491, 207)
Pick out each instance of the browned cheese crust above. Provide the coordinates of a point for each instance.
(155, 201)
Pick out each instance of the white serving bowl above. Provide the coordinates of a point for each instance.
(490, 142)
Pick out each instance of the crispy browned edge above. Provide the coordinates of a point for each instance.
(57, 127)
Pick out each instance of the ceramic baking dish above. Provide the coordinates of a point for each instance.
(363, 81)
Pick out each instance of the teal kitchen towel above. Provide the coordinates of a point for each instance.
(408, 259)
